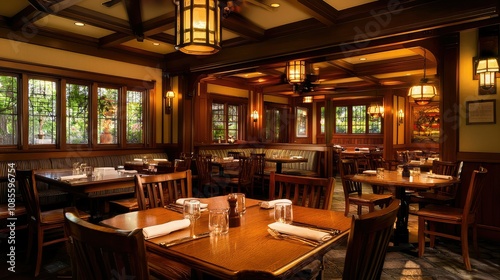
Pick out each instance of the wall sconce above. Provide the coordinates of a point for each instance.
(169, 95)
(486, 63)
(255, 115)
(198, 28)
(401, 116)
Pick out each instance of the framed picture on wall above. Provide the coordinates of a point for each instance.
(301, 122)
(480, 112)
(425, 123)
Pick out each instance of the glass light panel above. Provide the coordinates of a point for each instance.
(422, 93)
(296, 71)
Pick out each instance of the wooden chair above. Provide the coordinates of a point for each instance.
(259, 175)
(204, 170)
(310, 192)
(40, 222)
(99, 252)
(462, 217)
(182, 164)
(353, 191)
(234, 154)
(367, 243)
(445, 195)
(162, 189)
(19, 212)
(244, 181)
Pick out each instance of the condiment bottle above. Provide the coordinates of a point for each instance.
(406, 171)
(234, 216)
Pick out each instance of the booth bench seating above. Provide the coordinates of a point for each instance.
(311, 168)
(49, 196)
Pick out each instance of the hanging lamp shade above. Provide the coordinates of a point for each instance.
(375, 110)
(307, 99)
(296, 71)
(422, 93)
(198, 30)
(487, 69)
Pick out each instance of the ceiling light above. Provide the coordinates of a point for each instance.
(362, 59)
(275, 5)
(375, 110)
(79, 23)
(296, 71)
(198, 29)
(423, 92)
(307, 99)
(156, 44)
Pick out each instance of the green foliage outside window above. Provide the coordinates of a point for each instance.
(77, 114)
(134, 117)
(107, 115)
(341, 119)
(359, 119)
(8, 110)
(42, 111)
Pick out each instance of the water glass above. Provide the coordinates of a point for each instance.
(283, 213)
(218, 221)
(400, 170)
(88, 170)
(380, 173)
(76, 168)
(416, 171)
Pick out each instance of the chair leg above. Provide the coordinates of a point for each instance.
(346, 211)
(39, 252)
(421, 236)
(371, 208)
(465, 247)
(360, 210)
(432, 227)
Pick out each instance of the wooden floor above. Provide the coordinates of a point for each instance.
(444, 262)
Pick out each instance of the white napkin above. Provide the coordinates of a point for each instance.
(270, 204)
(73, 177)
(164, 229)
(129, 171)
(180, 201)
(227, 158)
(415, 161)
(138, 159)
(160, 159)
(370, 172)
(439, 176)
(301, 231)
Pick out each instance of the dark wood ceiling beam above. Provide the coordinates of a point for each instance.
(159, 24)
(134, 13)
(318, 9)
(242, 26)
(96, 19)
(350, 70)
(115, 39)
(163, 37)
(37, 10)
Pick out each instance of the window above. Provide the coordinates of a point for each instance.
(8, 109)
(341, 120)
(107, 115)
(276, 123)
(354, 119)
(42, 96)
(225, 121)
(77, 114)
(359, 119)
(322, 120)
(135, 120)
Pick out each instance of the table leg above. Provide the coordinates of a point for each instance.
(401, 234)
(279, 167)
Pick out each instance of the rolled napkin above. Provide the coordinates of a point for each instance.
(370, 172)
(160, 159)
(164, 229)
(270, 204)
(129, 171)
(311, 234)
(439, 176)
(73, 177)
(180, 201)
(138, 159)
(415, 161)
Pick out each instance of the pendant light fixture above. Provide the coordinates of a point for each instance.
(295, 73)
(375, 110)
(198, 30)
(423, 92)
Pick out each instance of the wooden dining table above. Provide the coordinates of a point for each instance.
(280, 160)
(245, 252)
(401, 184)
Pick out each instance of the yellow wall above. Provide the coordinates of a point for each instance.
(478, 137)
(29, 53)
(223, 90)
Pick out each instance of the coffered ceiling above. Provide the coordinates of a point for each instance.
(142, 32)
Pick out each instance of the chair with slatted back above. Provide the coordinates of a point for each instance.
(204, 177)
(260, 177)
(368, 242)
(244, 181)
(445, 195)
(234, 154)
(98, 252)
(313, 192)
(41, 224)
(353, 191)
(436, 215)
(162, 189)
(182, 164)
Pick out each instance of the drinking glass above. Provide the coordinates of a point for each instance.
(416, 171)
(88, 170)
(283, 213)
(380, 173)
(192, 210)
(218, 221)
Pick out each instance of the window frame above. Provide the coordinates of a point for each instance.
(350, 106)
(242, 105)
